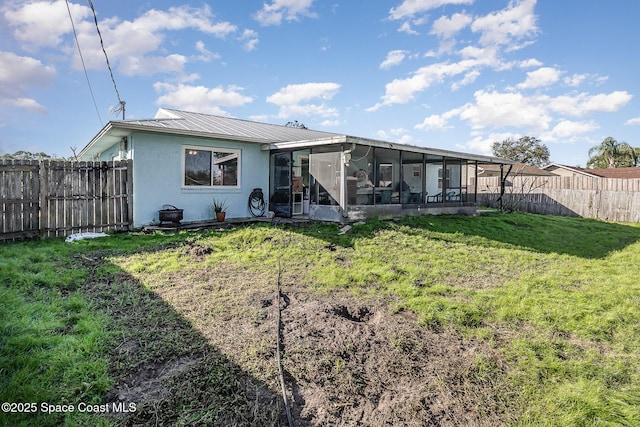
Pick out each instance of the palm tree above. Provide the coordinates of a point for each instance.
(611, 154)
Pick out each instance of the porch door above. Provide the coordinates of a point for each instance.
(280, 185)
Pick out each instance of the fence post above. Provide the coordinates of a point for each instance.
(43, 208)
(130, 194)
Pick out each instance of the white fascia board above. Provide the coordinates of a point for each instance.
(305, 143)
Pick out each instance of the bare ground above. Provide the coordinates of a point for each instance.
(200, 349)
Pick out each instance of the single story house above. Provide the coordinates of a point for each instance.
(518, 169)
(572, 171)
(187, 159)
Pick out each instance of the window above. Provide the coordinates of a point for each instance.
(443, 178)
(211, 167)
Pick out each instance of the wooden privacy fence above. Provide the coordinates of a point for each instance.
(58, 198)
(607, 199)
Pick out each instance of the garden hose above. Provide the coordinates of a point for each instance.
(257, 204)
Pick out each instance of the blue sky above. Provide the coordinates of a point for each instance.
(454, 74)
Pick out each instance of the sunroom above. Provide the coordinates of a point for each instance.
(348, 178)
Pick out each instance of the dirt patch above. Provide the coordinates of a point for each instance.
(347, 360)
(198, 251)
(350, 364)
(208, 353)
(148, 382)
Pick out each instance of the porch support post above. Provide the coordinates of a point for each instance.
(343, 181)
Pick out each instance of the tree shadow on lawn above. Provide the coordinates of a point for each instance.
(160, 362)
(581, 237)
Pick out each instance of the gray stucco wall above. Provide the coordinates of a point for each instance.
(157, 178)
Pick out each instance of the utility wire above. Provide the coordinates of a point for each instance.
(120, 101)
(75, 34)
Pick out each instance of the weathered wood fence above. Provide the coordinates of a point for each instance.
(58, 198)
(607, 199)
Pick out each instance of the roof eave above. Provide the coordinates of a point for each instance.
(124, 129)
(346, 139)
(96, 139)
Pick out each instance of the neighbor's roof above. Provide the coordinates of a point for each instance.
(168, 121)
(621, 173)
(521, 169)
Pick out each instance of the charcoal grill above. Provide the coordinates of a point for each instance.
(170, 213)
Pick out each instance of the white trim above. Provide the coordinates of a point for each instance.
(233, 153)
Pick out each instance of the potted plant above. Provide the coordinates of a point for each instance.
(219, 208)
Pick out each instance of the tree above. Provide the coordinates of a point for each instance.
(27, 155)
(612, 154)
(295, 124)
(527, 150)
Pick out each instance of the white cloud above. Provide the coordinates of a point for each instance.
(567, 130)
(17, 75)
(295, 99)
(17, 72)
(24, 103)
(504, 110)
(251, 40)
(291, 10)
(482, 144)
(497, 31)
(544, 76)
(575, 80)
(297, 110)
(205, 54)
(507, 26)
(433, 122)
(634, 121)
(406, 28)
(296, 93)
(410, 8)
(395, 57)
(446, 27)
(200, 98)
(401, 91)
(182, 17)
(530, 63)
(394, 135)
(134, 47)
(147, 66)
(533, 114)
(405, 139)
(469, 78)
(133, 44)
(43, 23)
(583, 103)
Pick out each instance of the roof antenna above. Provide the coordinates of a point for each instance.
(120, 107)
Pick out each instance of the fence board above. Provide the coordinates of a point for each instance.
(55, 198)
(608, 199)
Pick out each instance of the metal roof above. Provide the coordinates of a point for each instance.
(229, 127)
(232, 129)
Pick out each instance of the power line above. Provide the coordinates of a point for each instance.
(120, 101)
(75, 34)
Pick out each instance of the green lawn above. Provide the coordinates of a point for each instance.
(558, 298)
